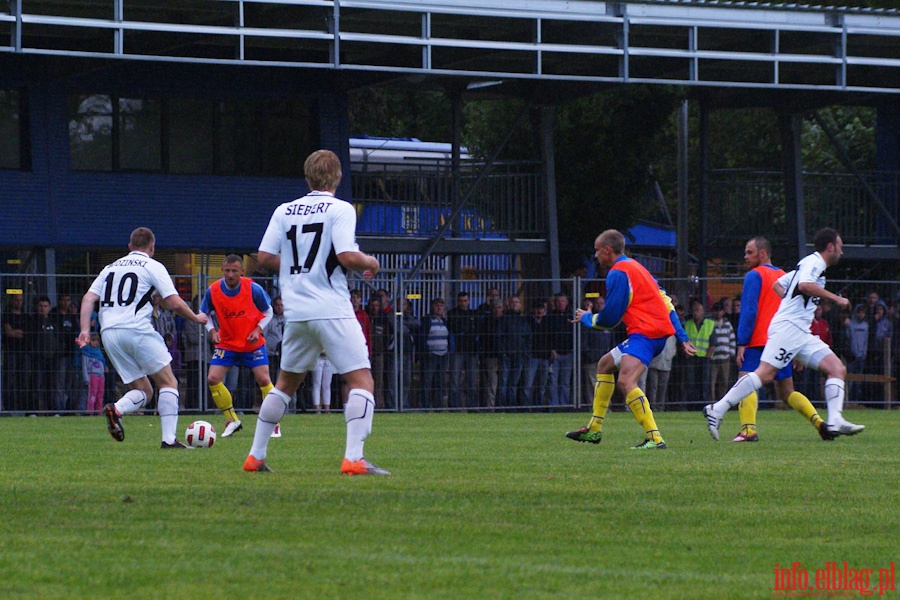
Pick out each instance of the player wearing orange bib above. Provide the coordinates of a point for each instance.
(633, 297)
(242, 309)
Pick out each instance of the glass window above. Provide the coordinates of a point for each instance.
(140, 134)
(261, 138)
(10, 130)
(270, 138)
(90, 132)
(189, 127)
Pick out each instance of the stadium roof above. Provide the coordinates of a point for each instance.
(509, 45)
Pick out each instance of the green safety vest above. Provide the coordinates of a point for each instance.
(700, 339)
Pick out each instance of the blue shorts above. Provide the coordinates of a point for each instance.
(751, 362)
(642, 347)
(229, 358)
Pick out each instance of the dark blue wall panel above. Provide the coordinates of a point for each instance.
(53, 206)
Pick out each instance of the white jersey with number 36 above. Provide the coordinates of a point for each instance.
(125, 287)
(308, 233)
(796, 307)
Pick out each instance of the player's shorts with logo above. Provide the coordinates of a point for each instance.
(752, 357)
(640, 347)
(789, 342)
(341, 339)
(135, 354)
(229, 358)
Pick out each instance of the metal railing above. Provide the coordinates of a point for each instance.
(40, 379)
(510, 202)
(745, 202)
(710, 44)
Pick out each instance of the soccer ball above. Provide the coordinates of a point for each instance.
(200, 434)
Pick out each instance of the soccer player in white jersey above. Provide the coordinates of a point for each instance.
(310, 241)
(801, 291)
(124, 288)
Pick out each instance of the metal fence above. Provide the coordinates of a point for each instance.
(517, 366)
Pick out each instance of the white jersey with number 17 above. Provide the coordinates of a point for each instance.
(796, 307)
(308, 233)
(125, 287)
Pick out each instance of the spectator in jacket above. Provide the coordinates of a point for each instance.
(434, 340)
(514, 347)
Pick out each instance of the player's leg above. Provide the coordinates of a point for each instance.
(747, 409)
(743, 387)
(603, 390)
(133, 400)
(167, 405)
(271, 411)
(258, 363)
(346, 348)
(835, 373)
(784, 388)
(630, 370)
(219, 366)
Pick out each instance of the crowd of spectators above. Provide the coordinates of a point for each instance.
(506, 352)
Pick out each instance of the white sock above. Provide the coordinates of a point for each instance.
(742, 388)
(270, 413)
(167, 405)
(834, 400)
(132, 401)
(358, 414)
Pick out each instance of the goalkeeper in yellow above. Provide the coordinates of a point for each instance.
(243, 309)
(634, 297)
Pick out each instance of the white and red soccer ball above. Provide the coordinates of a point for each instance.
(200, 434)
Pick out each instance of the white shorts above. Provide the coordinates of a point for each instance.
(789, 342)
(133, 354)
(341, 339)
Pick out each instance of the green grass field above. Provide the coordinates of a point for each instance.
(479, 506)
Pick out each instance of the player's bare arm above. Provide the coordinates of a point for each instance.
(812, 289)
(778, 290)
(87, 308)
(179, 306)
(688, 348)
(359, 261)
(270, 261)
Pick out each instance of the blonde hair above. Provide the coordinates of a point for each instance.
(323, 171)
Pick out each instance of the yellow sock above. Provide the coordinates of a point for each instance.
(265, 389)
(640, 406)
(747, 411)
(222, 397)
(802, 405)
(603, 391)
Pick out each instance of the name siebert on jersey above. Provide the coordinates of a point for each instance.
(307, 209)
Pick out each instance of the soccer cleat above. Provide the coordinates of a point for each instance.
(277, 431)
(845, 428)
(585, 435)
(361, 467)
(232, 428)
(175, 444)
(252, 464)
(824, 433)
(743, 437)
(712, 421)
(649, 444)
(114, 422)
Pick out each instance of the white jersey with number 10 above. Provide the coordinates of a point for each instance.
(308, 233)
(125, 287)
